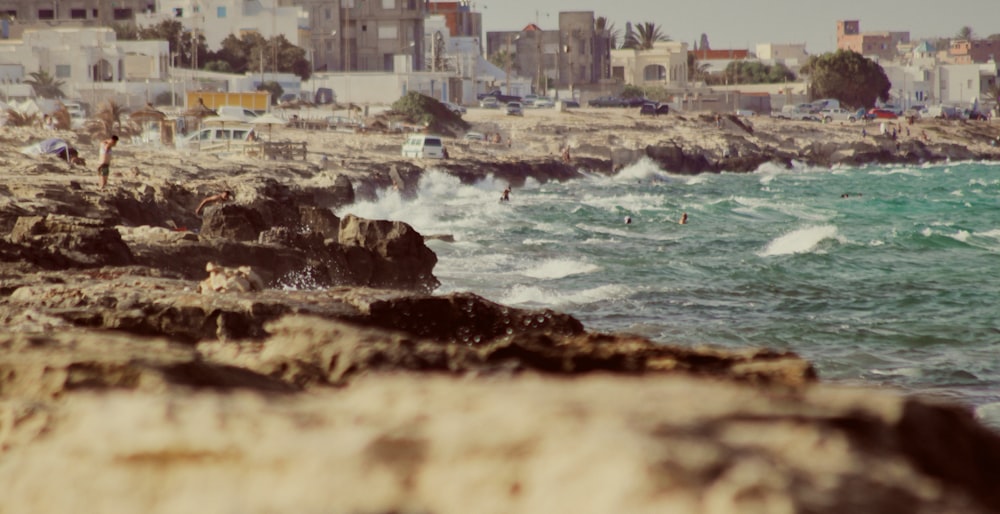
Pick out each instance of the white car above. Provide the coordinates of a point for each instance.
(489, 102)
(838, 114)
(514, 109)
(543, 102)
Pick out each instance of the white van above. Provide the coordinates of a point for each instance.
(236, 111)
(424, 146)
(212, 136)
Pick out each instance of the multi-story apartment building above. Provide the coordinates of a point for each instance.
(25, 14)
(570, 56)
(878, 44)
(364, 35)
(963, 51)
(459, 17)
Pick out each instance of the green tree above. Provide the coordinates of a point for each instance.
(252, 53)
(847, 76)
(644, 35)
(965, 33)
(45, 85)
(274, 88)
(501, 58)
(756, 72)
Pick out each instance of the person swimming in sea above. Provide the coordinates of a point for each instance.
(684, 219)
(506, 194)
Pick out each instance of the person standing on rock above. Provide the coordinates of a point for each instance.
(104, 159)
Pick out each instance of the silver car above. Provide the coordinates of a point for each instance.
(514, 109)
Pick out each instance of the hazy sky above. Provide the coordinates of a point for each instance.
(744, 23)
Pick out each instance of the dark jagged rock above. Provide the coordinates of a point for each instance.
(234, 222)
(401, 259)
(56, 242)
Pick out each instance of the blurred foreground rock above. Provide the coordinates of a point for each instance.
(335, 381)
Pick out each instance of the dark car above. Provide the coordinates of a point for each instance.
(570, 103)
(502, 98)
(653, 109)
(607, 101)
(635, 102)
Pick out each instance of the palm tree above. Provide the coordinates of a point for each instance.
(606, 28)
(45, 85)
(645, 35)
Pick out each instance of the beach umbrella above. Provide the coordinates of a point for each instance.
(148, 117)
(147, 113)
(270, 120)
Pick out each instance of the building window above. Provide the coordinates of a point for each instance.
(178, 12)
(63, 71)
(328, 14)
(123, 14)
(220, 12)
(387, 32)
(78, 14)
(46, 14)
(329, 45)
(388, 4)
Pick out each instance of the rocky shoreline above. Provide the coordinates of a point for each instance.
(345, 385)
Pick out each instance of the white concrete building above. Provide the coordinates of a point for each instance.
(90, 62)
(949, 84)
(217, 19)
(663, 65)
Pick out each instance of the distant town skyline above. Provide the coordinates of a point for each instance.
(745, 23)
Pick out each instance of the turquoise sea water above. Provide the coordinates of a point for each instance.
(894, 286)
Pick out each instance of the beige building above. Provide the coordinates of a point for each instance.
(364, 35)
(663, 65)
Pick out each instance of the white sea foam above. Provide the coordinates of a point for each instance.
(961, 235)
(644, 169)
(559, 268)
(799, 241)
(535, 295)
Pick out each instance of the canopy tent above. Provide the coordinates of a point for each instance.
(52, 146)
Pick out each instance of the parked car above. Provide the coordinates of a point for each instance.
(474, 136)
(236, 111)
(455, 108)
(489, 102)
(424, 146)
(653, 109)
(636, 101)
(570, 103)
(881, 114)
(543, 102)
(973, 115)
(796, 112)
(838, 114)
(529, 100)
(502, 98)
(514, 109)
(607, 101)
